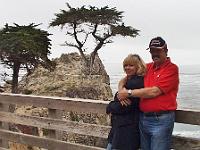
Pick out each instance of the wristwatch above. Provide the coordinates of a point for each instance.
(129, 93)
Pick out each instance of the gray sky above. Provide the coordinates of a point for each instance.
(177, 21)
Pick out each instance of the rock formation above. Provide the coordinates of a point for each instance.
(69, 79)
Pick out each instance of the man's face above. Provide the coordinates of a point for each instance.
(158, 55)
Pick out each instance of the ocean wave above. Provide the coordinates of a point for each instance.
(192, 134)
(190, 74)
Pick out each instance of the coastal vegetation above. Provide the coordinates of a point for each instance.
(91, 24)
(24, 46)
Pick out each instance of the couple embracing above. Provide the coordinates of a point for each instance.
(143, 110)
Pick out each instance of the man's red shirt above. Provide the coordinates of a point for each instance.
(166, 78)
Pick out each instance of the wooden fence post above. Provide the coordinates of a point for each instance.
(3, 125)
(56, 114)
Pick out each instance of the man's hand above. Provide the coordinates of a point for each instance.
(122, 94)
(125, 102)
(122, 83)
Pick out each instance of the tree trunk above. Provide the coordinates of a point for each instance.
(92, 59)
(84, 57)
(93, 55)
(23, 128)
(16, 67)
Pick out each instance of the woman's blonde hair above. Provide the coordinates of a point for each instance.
(135, 60)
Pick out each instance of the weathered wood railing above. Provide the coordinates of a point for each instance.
(55, 124)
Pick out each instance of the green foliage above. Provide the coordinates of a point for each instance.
(100, 24)
(104, 15)
(124, 31)
(24, 46)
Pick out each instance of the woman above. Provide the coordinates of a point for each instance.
(124, 134)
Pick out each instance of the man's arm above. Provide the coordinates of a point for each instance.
(125, 101)
(122, 83)
(148, 92)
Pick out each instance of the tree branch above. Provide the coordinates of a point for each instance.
(80, 45)
(94, 33)
(72, 45)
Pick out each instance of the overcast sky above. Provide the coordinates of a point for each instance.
(177, 21)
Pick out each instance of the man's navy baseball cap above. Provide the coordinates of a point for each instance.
(158, 43)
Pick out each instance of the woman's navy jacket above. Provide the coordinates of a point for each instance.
(123, 116)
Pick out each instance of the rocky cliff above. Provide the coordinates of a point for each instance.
(69, 79)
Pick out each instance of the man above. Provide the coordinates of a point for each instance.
(158, 98)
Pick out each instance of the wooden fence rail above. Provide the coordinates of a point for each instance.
(56, 125)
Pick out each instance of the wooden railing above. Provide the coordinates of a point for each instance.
(56, 125)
